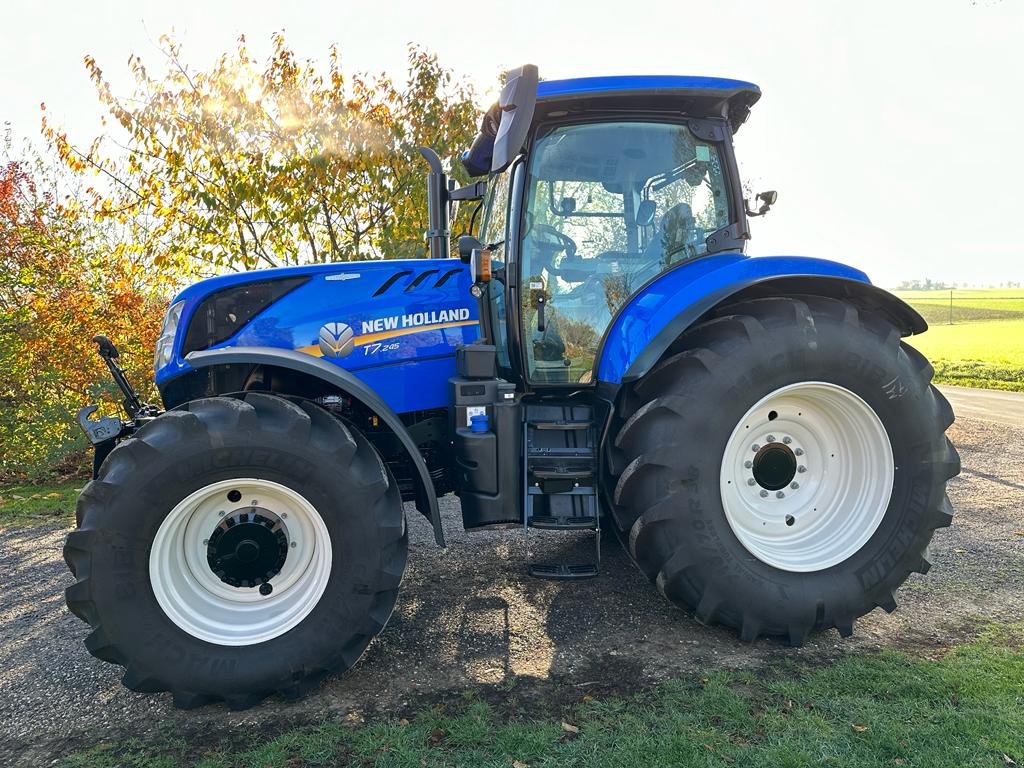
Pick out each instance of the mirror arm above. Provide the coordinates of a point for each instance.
(475, 191)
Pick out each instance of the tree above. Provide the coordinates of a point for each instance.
(61, 282)
(244, 166)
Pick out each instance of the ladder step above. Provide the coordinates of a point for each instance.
(551, 523)
(562, 425)
(562, 474)
(563, 571)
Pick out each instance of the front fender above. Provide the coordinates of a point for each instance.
(660, 311)
(344, 381)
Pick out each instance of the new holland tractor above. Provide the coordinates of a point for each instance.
(601, 354)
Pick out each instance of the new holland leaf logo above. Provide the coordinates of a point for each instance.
(336, 340)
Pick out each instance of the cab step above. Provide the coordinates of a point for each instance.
(560, 478)
(553, 523)
(562, 571)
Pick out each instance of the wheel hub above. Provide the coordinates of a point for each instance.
(774, 466)
(248, 547)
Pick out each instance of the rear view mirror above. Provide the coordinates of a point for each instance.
(767, 200)
(518, 99)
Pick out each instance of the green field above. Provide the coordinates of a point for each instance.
(984, 346)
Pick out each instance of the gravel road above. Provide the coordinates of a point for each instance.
(468, 616)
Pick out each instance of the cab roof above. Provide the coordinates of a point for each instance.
(707, 96)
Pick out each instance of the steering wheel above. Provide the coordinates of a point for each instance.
(555, 240)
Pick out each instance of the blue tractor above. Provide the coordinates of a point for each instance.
(601, 354)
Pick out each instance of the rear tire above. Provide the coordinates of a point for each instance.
(678, 467)
(329, 532)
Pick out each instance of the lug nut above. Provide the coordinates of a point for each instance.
(294, 544)
(780, 495)
(750, 481)
(794, 485)
(254, 503)
(764, 494)
(801, 468)
(748, 464)
(284, 515)
(771, 438)
(220, 514)
(206, 542)
(787, 439)
(755, 447)
(799, 451)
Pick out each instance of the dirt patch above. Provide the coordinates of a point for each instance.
(468, 618)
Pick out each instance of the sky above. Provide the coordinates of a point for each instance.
(892, 130)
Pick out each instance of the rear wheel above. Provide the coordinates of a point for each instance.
(785, 468)
(237, 547)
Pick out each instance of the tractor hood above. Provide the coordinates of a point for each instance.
(359, 315)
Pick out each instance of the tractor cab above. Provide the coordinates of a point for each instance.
(595, 187)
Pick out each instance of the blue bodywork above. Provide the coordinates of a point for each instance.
(407, 365)
(701, 284)
(551, 89)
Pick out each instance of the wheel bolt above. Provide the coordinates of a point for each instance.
(787, 439)
(771, 438)
(254, 503)
(294, 544)
(801, 468)
(206, 542)
(750, 481)
(799, 451)
(220, 514)
(284, 515)
(755, 447)
(780, 495)
(794, 485)
(764, 494)
(748, 464)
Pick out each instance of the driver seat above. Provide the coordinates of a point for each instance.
(678, 238)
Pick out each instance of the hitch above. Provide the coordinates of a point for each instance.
(99, 430)
(105, 431)
(110, 355)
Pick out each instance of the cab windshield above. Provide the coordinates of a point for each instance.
(609, 206)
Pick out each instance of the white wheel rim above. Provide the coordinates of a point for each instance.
(196, 599)
(839, 492)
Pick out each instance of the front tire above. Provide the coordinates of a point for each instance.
(784, 469)
(235, 547)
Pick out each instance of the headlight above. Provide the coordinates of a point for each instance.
(165, 344)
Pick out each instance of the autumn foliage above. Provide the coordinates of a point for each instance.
(60, 285)
(242, 166)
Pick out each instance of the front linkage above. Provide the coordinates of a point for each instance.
(105, 431)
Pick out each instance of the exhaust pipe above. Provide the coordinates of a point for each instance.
(438, 207)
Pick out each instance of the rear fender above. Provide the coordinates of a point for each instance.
(659, 312)
(338, 379)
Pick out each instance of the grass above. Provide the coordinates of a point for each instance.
(22, 505)
(885, 709)
(983, 354)
(984, 346)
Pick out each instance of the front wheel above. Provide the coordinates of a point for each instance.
(785, 469)
(236, 547)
